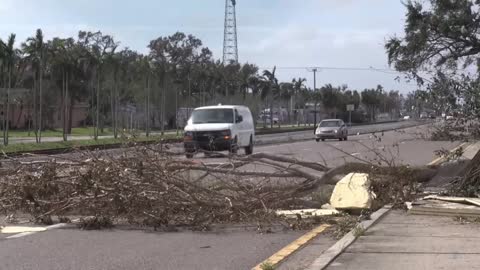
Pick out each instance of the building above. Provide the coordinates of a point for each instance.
(21, 111)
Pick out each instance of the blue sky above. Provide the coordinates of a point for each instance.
(285, 33)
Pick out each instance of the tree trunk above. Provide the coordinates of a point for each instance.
(113, 107)
(35, 116)
(162, 107)
(271, 113)
(40, 98)
(64, 104)
(68, 105)
(19, 117)
(303, 114)
(30, 118)
(176, 111)
(116, 103)
(147, 106)
(97, 107)
(7, 108)
(264, 116)
(70, 113)
(4, 106)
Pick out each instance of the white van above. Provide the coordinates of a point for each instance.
(219, 128)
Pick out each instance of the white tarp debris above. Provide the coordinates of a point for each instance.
(21, 229)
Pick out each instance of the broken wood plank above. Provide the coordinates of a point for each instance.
(474, 201)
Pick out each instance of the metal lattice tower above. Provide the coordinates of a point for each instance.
(230, 46)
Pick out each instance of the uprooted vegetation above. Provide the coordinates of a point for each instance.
(157, 189)
(456, 130)
(467, 183)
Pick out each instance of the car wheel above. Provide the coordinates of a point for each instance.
(249, 148)
(346, 138)
(317, 140)
(340, 139)
(323, 140)
(234, 147)
(189, 155)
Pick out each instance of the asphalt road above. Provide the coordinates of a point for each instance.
(229, 248)
(296, 135)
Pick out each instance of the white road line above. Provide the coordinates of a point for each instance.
(355, 154)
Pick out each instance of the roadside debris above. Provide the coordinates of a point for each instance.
(21, 229)
(474, 201)
(307, 213)
(353, 192)
(148, 187)
(446, 206)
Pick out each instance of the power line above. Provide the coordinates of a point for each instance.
(320, 68)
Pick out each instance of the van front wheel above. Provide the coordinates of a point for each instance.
(249, 148)
(234, 146)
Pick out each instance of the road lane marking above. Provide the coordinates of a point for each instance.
(439, 160)
(282, 254)
(355, 154)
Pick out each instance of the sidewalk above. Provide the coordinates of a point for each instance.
(401, 241)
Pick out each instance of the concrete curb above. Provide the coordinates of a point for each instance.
(440, 160)
(334, 251)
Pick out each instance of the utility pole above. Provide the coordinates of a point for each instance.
(314, 70)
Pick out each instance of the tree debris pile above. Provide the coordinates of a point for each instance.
(464, 128)
(155, 188)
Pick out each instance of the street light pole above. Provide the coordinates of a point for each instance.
(315, 99)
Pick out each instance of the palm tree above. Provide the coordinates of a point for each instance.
(10, 54)
(35, 50)
(298, 85)
(146, 70)
(247, 75)
(286, 94)
(3, 63)
(271, 88)
(60, 66)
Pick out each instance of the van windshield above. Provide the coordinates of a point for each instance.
(206, 116)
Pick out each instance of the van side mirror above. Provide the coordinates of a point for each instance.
(239, 119)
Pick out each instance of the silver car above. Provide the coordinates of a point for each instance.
(331, 129)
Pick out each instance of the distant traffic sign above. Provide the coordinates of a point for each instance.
(350, 107)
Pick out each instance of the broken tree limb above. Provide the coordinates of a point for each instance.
(144, 186)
